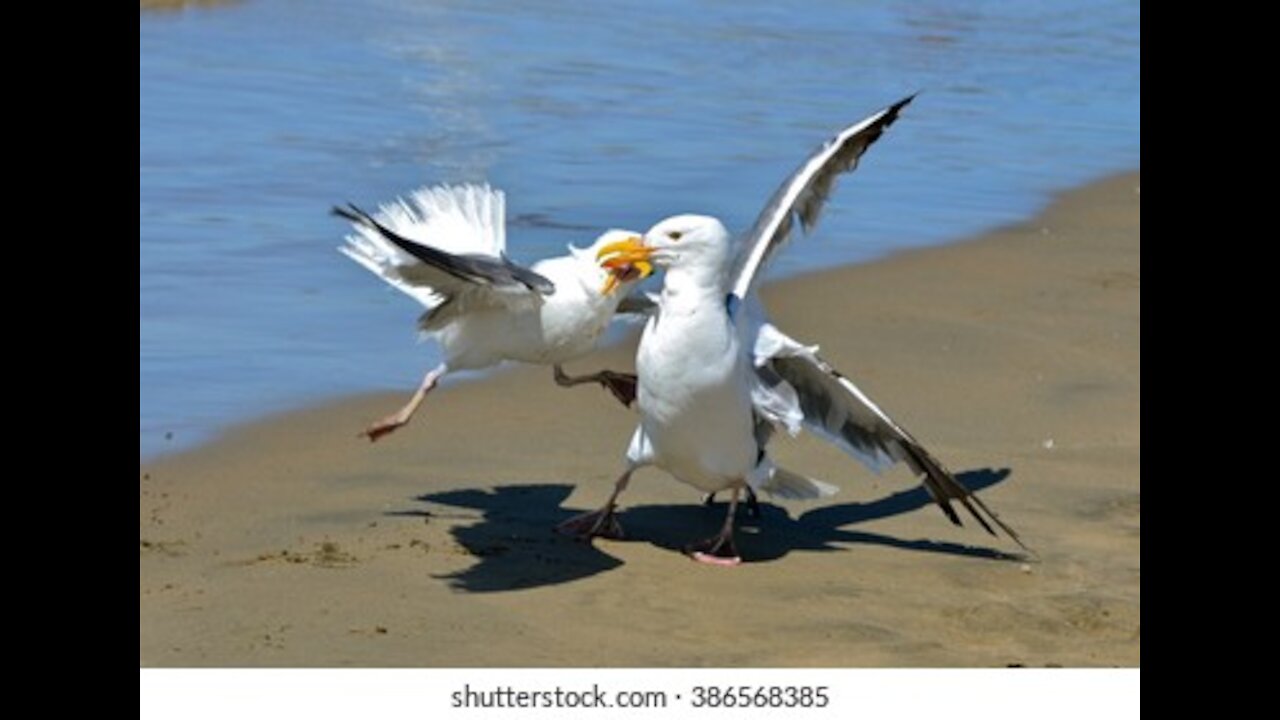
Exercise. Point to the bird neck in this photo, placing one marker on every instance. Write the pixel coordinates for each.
(690, 286)
(590, 280)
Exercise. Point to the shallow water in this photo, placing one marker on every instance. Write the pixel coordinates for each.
(254, 118)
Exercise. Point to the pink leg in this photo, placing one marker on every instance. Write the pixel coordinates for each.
(395, 420)
(598, 523)
(720, 549)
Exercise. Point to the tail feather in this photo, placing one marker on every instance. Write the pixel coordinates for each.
(792, 486)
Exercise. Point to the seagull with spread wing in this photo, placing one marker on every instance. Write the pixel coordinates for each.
(446, 248)
(716, 378)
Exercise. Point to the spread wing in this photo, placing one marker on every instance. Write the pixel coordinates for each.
(798, 385)
(805, 192)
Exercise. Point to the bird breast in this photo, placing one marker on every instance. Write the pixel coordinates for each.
(694, 401)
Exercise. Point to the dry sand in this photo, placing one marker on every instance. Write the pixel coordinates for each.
(291, 542)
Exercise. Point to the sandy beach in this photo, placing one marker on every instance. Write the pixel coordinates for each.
(1015, 357)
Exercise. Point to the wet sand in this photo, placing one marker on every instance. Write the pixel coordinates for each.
(1015, 357)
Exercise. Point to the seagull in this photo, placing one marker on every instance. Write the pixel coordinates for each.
(445, 246)
(716, 378)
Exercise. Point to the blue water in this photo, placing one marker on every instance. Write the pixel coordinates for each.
(255, 117)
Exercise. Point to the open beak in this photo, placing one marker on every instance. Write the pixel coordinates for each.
(625, 260)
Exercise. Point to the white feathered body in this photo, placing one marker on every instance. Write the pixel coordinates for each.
(544, 330)
(705, 413)
(695, 405)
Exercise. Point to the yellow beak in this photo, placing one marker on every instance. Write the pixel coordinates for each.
(622, 258)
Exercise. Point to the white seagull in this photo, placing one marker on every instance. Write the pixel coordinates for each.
(715, 378)
(446, 247)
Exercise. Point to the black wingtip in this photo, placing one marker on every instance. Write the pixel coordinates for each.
(354, 214)
(943, 487)
(949, 511)
(891, 112)
(360, 217)
(976, 515)
(530, 279)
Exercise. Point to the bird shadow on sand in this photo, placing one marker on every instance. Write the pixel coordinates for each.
(517, 548)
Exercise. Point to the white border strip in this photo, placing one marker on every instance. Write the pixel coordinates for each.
(1043, 694)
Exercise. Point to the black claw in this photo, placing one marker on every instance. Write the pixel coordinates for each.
(622, 385)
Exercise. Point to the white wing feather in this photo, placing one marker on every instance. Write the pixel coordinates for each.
(805, 193)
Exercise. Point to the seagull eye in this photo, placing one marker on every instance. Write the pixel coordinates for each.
(674, 234)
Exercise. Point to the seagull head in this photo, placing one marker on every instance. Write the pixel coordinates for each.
(620, 274)
(685, 241)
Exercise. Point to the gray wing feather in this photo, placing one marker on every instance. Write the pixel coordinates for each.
(805, 193)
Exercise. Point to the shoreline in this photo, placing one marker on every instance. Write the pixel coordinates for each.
(288, 541)
(209, 436)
